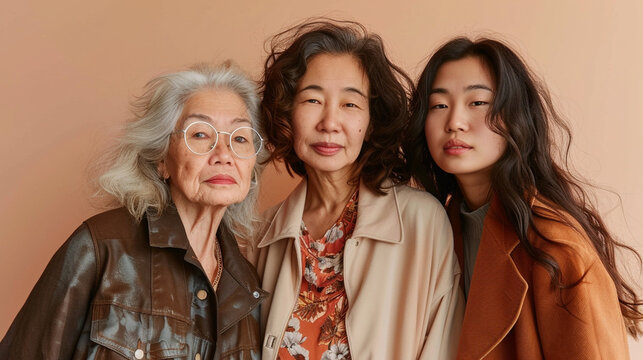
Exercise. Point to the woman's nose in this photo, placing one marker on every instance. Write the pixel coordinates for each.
(457, 120)
(222, 153)
(330, 121)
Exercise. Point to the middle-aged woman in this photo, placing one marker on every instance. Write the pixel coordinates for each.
(540, 275)
(359, 266)
(162, 276)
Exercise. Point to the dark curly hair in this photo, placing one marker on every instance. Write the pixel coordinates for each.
(380, 157)
(523, 113)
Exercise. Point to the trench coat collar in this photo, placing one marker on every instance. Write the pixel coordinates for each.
(378, 216)
(497, 291)
(238, 291)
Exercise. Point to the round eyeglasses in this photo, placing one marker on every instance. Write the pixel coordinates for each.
(201, 138)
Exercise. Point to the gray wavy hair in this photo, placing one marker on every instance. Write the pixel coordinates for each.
(133, 179)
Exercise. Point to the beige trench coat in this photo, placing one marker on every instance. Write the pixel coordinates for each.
(400, 273)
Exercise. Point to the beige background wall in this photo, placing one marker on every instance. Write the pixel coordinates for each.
(68, 69)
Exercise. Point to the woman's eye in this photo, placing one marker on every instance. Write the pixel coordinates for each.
(351, 105)
(439, 106)
(200, 135)
(240, 139)
(479, 103)
(312, 101)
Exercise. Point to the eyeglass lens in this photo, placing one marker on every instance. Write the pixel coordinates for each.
(201, 138)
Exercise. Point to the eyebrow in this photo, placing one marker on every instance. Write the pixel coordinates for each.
(467, 88)
(348, 89)
(209, 119)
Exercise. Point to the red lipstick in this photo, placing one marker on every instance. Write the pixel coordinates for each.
(222, 180)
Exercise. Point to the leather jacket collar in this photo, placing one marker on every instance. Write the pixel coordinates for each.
(238, 291)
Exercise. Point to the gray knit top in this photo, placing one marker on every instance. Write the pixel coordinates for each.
(471, 228)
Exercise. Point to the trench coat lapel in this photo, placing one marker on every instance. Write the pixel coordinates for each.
(497, 291)
(286, 222)
(379, 217)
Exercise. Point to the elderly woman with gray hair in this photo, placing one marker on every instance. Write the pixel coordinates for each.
(162, 276)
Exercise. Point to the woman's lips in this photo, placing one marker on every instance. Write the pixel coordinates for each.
(222, 180)
(456, 147)
(326, 148)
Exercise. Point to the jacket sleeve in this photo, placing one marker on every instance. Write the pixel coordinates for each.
(446, 310)
(583, 321)
(52, 320)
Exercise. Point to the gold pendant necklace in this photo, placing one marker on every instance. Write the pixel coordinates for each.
(217, 277)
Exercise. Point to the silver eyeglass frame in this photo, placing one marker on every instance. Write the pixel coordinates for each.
(216, 141)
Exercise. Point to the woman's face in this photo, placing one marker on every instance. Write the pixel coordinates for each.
(330, 113)
(457, 134)
(218, 178)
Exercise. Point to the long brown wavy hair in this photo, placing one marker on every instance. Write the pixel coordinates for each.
(380, 157)
(522, 112)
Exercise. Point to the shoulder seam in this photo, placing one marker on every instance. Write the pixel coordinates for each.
(96, 252)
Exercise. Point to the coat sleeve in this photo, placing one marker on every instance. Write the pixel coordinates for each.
(52, 320)
(446, 308)
(583, 321)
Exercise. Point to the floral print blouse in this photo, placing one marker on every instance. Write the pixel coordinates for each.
(317, 328)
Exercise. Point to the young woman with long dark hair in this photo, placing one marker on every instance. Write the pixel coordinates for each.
(539, 269)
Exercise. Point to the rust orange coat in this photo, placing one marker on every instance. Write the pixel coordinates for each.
(512, 311)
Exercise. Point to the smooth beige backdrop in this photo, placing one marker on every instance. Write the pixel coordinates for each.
(69, 68)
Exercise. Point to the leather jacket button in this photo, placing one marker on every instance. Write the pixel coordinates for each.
(256, 294)
(139, 354)
(202, 294)
(197, 356)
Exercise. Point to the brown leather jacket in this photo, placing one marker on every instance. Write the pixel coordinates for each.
(121, 289)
